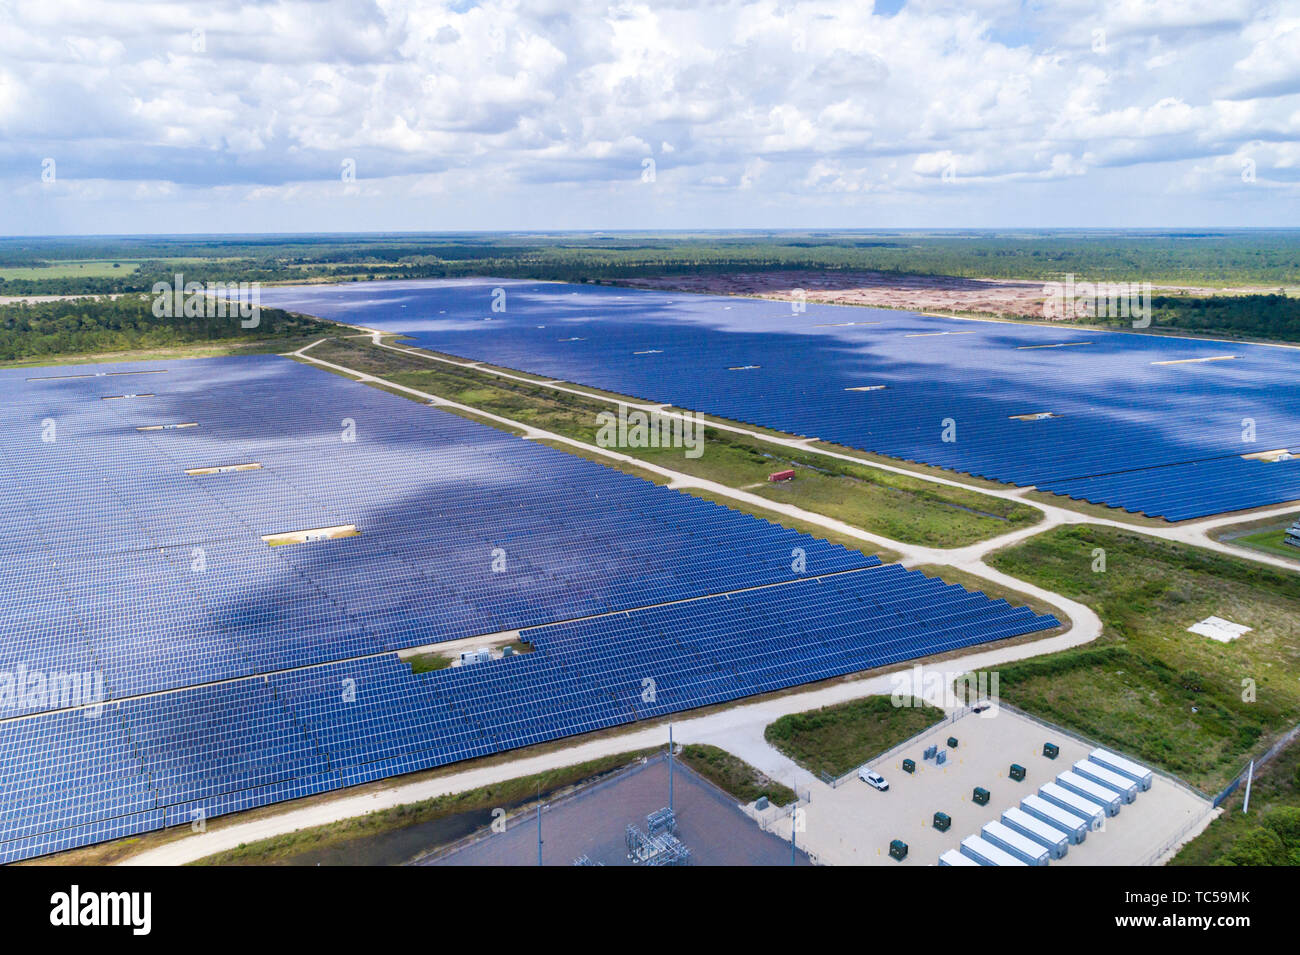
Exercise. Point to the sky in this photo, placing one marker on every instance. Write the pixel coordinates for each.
(120, 116)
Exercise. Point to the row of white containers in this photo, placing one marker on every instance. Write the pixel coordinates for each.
(1060, 815)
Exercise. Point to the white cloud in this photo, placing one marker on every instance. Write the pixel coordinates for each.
(554, 104)
(754, 170)
(1272, 65)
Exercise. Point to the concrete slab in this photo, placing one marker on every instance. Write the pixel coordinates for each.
(593, 822)
(853, 823)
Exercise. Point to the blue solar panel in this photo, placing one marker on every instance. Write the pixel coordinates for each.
(1133, 414)
(160, 578)
(120, 568)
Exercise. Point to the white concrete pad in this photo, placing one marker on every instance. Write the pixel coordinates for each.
(853, 823)
(1216, 628)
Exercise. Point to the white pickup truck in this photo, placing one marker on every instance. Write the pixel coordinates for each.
(872, 778)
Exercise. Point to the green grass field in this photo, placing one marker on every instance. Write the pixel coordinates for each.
(1271, 542)
(733, 775)
(1184, 702)
(836, 739)
(87, 269)
(427, 662)
(203, 350)
(1264, 534)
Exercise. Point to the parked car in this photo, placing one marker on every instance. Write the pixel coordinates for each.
(873, 779)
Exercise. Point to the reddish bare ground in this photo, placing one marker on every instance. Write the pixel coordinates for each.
(886, 289)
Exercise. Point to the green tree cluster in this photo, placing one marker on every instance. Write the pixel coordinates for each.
(94, 325)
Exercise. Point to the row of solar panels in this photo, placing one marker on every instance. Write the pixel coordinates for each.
(116, 561)
(171, 758)
(218, 748)
(1181, 492)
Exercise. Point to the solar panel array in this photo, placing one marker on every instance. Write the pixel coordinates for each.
(1148, 423)
(115, 559)
(178, 758)
(217, 673)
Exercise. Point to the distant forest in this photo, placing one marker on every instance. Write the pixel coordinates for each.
(96, 325)
(1261, 258)
(1271, 317)
(1268, 261)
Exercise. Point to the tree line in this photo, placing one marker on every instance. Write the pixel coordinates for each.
(1271, 317)
(1241, 257)
(93, 325)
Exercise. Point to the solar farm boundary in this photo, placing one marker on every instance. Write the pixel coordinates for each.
(402, 653)
(1192, 532)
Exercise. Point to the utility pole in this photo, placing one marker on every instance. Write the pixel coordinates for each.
(1245, 806)
(539, 824)
(670, 766)
(794, 816)
(794, 825)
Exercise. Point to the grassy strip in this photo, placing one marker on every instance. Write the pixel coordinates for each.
(892, 505)
(1270, 542)
(510, 791)
(1191, 705)
(428, 662)
(896, 506)
(836, 739)
(1263, 534)
(813, 530)
(733, 775)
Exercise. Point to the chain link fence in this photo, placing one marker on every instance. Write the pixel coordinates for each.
(836, 781)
